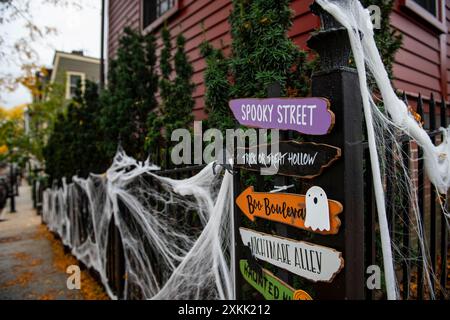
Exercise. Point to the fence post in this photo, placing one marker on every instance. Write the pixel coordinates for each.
(444, 231)
(344, 181)
(238, 282)
(115, 259)
(274, 91)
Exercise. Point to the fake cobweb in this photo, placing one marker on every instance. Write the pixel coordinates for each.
(389, 161)
(174, 232)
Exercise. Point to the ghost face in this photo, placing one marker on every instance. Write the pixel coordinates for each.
(317, 211)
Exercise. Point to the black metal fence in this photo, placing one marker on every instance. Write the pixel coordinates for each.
(410, 270)
(115, 251)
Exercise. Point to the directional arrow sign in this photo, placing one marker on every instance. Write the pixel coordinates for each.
(296, 159)
(313, 262)
(271, 287)
(285, 208)
(305, 115)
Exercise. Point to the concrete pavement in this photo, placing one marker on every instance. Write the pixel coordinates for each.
(32, 262)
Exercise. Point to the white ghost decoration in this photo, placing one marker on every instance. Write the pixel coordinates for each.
(317, 211)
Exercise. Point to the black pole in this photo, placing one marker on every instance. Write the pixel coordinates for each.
(102, 48)
(274, 91)
(11, 189)
(344, 181)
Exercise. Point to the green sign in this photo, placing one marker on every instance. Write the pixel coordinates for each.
(270, 286)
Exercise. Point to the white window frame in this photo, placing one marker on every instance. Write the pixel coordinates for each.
(74, 73)
(159, 20)
(438, 9)
(437, 21)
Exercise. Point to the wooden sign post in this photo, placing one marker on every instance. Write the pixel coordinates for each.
(335, 230)
(344, 181)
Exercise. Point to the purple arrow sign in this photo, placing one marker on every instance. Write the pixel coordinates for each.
(305, 115)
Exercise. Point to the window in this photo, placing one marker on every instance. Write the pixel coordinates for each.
(154, 9)
(429, 5)
(429, 12)
(73, 78)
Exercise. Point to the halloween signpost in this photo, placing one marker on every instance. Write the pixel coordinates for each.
(311, 211)
(304, 236)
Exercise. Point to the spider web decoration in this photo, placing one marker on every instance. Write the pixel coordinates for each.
(384, 130)
(175, 233)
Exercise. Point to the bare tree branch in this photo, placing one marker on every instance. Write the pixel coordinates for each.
(19, 51)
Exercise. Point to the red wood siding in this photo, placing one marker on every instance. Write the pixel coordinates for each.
(199, 20)
(418, 67)
(121, 14)
(447, 44)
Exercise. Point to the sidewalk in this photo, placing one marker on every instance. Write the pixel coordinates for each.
(32, 262)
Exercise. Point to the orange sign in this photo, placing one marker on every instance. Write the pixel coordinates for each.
(293, 209)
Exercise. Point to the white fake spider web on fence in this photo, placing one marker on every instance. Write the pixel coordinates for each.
(384, 131)
(175, 233)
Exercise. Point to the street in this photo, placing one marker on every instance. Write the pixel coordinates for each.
(33, 262)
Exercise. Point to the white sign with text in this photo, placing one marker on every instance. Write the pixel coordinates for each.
(313, 262)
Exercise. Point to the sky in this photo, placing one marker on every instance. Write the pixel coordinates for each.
(77, 29)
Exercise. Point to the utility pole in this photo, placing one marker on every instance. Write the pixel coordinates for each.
(102, 48)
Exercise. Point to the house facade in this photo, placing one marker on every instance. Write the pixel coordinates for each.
(422, 65)
(70, 68)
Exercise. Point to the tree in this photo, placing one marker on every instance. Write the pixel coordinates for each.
(18, 49)
(176, 95)
(262, 54)
(14, 146)
(90, 153)
(179, 113)
(217, 88)
(43, 114)
(75, 144)
(55, 151)
(262, 51)
(60, 150)
(130, 95)
(156, 121)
